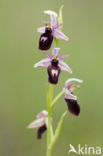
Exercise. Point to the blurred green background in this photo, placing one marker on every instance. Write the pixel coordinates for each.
(22, 88)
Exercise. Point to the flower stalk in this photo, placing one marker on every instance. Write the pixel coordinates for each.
(51, 138)
(49, 135)
(60, 95)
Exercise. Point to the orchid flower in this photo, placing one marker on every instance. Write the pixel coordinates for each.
(50, 31)
(40, 123)
(54, 65)
(71, 99)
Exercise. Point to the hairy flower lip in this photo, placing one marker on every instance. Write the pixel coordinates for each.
(73, 106)
(53, 72)
(46, 39)
(40, 131)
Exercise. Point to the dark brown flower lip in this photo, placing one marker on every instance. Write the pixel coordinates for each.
(53, 73)
(46, 40)
(54, 62)
(40, 131)
(73, 106)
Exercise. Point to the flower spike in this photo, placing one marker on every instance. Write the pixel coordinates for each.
(54, 65)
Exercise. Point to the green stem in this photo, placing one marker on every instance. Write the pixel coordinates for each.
(49, 100)
(57, 98)
(51, 104)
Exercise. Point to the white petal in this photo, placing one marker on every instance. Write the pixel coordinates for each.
(55, 51)
(41, 30)
(58, 34)
(37, 123)
(43, 63)
(42, 114)
(64, 66)
(53, 17)
(73, 79)
(50, 12)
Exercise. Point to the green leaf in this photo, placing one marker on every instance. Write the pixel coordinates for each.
(58, 129)
(60, 17)
(56, 42)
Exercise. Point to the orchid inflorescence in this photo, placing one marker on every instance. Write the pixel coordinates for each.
(54, 64)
